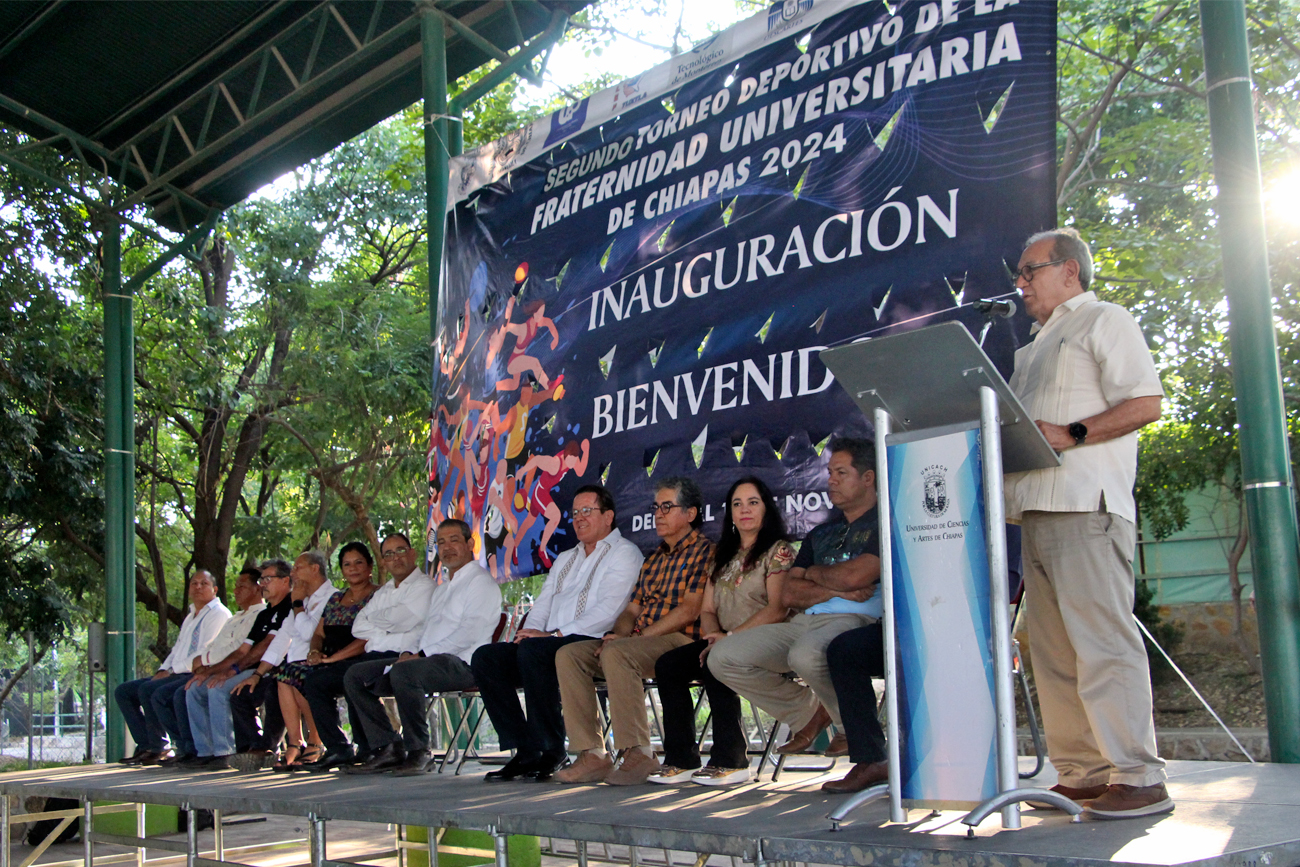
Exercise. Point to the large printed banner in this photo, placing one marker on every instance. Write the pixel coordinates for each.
(638, 286)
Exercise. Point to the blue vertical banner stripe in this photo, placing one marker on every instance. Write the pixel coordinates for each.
(941, 608)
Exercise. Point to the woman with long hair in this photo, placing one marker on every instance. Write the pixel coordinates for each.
(750, 563)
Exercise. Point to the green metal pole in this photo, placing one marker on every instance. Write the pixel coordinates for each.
(114, 515)
(434, 68)
(1265, 458)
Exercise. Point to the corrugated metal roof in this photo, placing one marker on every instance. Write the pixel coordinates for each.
(194, 105)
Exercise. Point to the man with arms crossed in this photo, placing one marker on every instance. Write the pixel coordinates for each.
(660, 616)
(585, 591)
(1089, 382)
(463, 613)
(834, 583)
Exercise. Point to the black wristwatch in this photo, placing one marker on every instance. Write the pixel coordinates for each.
(1079, 431)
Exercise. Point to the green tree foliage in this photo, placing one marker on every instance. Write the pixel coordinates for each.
(1136, 178)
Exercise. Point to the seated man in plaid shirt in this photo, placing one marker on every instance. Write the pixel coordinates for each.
(661, 615)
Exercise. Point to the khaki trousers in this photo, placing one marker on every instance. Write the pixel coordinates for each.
(624, 663)
(754, 664)
(1089, 662)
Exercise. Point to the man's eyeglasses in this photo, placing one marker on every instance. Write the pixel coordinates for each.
(394, 553)
(664, 508)
(266, 578)
(1026, 272)
(586, 511)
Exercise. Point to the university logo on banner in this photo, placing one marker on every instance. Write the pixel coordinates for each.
(566, 121)
(639, 285)
(784, 14)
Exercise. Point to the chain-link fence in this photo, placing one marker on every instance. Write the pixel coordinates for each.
(54, 712)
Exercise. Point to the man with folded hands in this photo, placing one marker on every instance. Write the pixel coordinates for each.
(661, 616)
(463, 613)
(586, 589)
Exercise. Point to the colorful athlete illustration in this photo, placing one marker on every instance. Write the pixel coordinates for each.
(519, 361)
(550, 470)
(490, 460)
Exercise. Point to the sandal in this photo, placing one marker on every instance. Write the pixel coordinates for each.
(291, 760)
(310, 753)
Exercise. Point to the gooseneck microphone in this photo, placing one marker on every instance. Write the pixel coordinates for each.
(1004, 307)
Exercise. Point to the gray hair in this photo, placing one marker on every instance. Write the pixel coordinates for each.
(1067, 243)
(320, 561)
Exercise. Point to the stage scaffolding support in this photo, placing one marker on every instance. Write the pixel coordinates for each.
(1267, 484)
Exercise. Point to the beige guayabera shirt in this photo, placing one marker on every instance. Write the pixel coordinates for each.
(1087, 358)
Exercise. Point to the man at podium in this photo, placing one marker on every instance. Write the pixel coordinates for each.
(1088, 381)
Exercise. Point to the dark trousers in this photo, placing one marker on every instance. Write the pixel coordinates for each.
(250, 734)
(854, 657)
(322, 688)
(501, 669)
(135, 699)
(410, 683)
(169, 707)
(675, 671)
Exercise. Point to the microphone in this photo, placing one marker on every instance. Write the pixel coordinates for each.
(1004, 307)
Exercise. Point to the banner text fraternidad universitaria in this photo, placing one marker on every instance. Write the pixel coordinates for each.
(639, 285)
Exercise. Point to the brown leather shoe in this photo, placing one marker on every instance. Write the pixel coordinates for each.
(1129, 802)
(1082, 795)
(634, 770)
(589, 768)
(839, 747)
(863, 776)
(802, 739)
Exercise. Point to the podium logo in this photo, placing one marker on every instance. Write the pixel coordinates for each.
(935, 498)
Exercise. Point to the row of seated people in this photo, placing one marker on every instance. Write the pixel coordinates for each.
(740, 617)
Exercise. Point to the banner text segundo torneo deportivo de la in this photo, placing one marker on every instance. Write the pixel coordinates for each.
(638, 286)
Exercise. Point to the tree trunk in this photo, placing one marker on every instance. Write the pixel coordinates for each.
(18, 675)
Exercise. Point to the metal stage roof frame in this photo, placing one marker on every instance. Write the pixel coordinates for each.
(187, 108)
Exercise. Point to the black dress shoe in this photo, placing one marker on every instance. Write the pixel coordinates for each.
(328, 762)
(545, 767)
(388, 757)
(519, 768)
(175, 760)
(190, 763)
(152, 759)
(138, 756)
(417, 763)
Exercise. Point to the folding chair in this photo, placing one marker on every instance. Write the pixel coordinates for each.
(468, 699)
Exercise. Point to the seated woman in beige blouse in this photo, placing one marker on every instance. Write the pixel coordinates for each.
(751, 561)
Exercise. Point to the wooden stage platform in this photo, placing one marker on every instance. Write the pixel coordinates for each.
(1229, 814)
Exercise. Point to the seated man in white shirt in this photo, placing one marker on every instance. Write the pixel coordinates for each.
(148, 704)
(463, 613)
(208, 696)
(586, 590)
(389, 623)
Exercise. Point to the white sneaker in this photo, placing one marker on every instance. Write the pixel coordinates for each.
(670, 776)
(722, 776)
